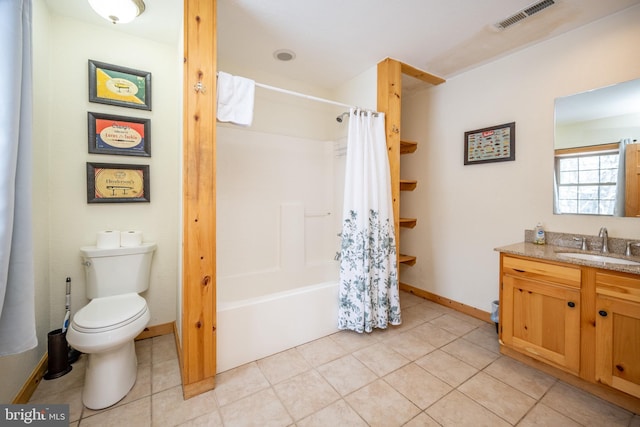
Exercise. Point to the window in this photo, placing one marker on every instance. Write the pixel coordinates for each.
(586, 182)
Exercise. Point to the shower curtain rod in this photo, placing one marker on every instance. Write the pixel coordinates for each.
(302, 95)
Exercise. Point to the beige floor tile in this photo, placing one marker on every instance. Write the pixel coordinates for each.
(262, 409)
(453, 324)
(352, 341)
(408, 299)
(501, 399)
(449, 369)
(422, 420)
(73, 379)
(484, 338)
(165, 374)
(282, 366)
(411, 317)
(541, 416)
(72, 397)
(635, 421)
(163, 348)
(338, 414)
(305, 394)
(321, 351)
(434, 335)
(239, 382)
(136, 413)
(417, 385)
(143, 351)
(585, 408)
(457, 410)
(410, 344)
(424, 312)
(381, 359)
(520, 376)
(468, 319)
(168, 408)
(347, 374)
(380, 405)
(212, 419)
(470, 353)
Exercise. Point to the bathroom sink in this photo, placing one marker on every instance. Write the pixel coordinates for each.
(597, 258)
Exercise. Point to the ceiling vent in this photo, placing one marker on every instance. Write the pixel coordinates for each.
(523, 14)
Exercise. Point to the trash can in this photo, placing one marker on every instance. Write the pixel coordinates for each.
(495, 314)
(58, 355)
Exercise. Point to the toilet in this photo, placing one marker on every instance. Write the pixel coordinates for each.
(106, 327)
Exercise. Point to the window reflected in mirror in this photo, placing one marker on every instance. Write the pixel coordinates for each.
(597, 161)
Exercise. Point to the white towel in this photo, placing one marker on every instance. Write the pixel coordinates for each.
(235, 99)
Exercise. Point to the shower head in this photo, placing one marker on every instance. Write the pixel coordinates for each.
(340, 117)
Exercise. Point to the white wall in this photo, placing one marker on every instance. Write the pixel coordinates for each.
(74, 222)
(464, 212)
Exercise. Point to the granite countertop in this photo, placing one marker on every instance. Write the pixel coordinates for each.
(550, 253)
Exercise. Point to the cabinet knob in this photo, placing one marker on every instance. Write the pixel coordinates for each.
(571, 304)
(603, 313)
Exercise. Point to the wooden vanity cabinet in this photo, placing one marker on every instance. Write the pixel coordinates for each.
(617, 355)
(540, 311)
(582, 323)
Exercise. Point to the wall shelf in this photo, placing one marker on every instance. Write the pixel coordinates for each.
(408, 222)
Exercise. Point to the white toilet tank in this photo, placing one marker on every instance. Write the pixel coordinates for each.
(117, 271)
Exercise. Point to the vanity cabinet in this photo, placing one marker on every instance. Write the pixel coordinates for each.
(583, 321)
(617, 358)
(541, 311)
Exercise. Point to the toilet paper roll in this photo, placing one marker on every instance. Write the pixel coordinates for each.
(108, 239)
(130, 238)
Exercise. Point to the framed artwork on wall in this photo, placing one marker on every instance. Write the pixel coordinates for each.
(117, 183)
(126, 136)
(121, 86)
(492, 144)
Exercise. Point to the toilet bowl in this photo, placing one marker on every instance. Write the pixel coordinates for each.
(105, 328)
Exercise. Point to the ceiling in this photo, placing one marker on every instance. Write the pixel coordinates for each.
(336, 40)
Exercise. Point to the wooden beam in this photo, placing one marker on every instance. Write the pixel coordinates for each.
(390, 102)
(198, 339)
(421, 75)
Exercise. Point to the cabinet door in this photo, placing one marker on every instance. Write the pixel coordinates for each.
(542, 320)
(618, 343)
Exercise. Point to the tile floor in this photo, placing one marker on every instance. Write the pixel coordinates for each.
(439, 368)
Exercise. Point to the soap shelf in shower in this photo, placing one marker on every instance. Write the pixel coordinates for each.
(408, 222)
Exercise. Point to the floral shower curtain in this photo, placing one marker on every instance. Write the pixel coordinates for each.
(369, 295)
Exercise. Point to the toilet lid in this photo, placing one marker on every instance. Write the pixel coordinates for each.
(111, 311)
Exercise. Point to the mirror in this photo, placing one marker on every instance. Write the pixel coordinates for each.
(594, 174)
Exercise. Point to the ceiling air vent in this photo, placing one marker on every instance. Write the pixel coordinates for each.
(523, 14)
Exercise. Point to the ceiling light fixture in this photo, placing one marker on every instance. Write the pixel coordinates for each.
(118, 11)
(284, 55)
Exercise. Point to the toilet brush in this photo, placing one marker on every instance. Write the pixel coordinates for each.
(73, 353)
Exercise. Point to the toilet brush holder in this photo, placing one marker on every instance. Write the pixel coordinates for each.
(58, 355)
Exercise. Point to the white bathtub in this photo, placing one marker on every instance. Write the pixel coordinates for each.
(263, 314)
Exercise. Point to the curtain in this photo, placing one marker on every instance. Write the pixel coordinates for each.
(618, 210)
(17, 310)
(369, 296)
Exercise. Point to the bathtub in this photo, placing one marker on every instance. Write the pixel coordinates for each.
(263, 314)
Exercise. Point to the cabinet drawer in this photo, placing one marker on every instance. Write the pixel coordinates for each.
(560, 274)
(626, 287)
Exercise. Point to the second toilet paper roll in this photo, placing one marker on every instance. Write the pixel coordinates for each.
(108, 239)
(130, 238)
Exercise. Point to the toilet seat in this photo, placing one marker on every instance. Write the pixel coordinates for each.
(109, 313)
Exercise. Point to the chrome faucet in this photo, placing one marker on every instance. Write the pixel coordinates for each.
(605, 240)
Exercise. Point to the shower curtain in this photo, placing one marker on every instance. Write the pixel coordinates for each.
(17, 310)
(369, 295)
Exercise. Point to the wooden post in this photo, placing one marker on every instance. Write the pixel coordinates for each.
(390, 102)
(198, 340)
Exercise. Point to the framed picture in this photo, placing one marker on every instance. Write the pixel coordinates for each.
(116, 183)
(115, 85)
(126, 136)
(492, 144)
